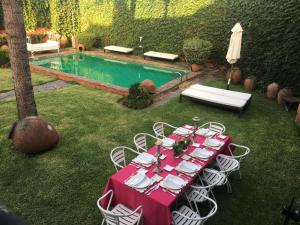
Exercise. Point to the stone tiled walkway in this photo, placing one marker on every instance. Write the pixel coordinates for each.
(40, 88)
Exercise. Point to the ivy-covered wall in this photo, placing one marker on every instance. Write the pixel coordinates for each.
(270, 48)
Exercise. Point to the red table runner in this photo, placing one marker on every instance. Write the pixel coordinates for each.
(157, 206)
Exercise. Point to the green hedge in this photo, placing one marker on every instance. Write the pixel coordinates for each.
(270, 48)
(1, 17)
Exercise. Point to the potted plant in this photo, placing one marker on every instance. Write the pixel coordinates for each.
(236, 75)
(196, 52)
(285, 92)
(138, 97)
(250, 83)
(180, 146)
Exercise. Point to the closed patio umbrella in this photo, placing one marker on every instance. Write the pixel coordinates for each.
(234, 49)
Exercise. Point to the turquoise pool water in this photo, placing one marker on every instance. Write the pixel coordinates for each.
(117, 72)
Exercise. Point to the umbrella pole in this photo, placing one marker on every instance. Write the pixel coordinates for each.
(228, 83)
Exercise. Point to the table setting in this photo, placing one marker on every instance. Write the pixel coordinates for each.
(156, 178)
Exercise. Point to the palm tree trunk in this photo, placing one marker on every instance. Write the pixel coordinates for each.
(14, 27)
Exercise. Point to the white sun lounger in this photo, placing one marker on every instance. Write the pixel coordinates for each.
(216, 96)
(114, 48)
(228, 93)
(160, 55)
(48, 46)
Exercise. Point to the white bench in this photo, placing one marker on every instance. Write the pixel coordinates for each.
(216, 96)
(160, 55)
(48, 46)
(114, 48)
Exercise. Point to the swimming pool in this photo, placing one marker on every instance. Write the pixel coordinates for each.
(110, 71)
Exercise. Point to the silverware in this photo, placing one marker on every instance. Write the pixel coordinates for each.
(150, 187)
(166, 190)
(155, 187)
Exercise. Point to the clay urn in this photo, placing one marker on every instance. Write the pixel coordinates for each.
(285, 92)
(196, 67)
(236, 75)
(297, 120)
(80, 47)
(34, 135)
(250, 83)
(149, 85)
(272, 90)
(63, 41)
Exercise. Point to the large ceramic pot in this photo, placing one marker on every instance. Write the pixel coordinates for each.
(196, 67)
(297, 120)
(250, 83)
(285, 92)
(272, 90)
(149, 85)
(63, 41)
(33, 135)
(236, 75)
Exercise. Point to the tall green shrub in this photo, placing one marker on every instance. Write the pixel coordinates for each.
(196, 50)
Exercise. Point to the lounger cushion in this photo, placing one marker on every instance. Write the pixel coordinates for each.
(223, 92)
(161, 55)
(214, 98)
(49, 45)
(118, 49)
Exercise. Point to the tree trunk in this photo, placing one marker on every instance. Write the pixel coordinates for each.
(14, 27)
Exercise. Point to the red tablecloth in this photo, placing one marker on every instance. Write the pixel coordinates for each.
(157, 206)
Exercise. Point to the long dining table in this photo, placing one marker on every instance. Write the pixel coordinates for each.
(157, 205)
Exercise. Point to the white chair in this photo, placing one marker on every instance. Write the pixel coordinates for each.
(120, 214)
(118, 156)
(186, 216)
(240, 157)
(197, 191)
(141, 141)
(214, 126)
(160, 127)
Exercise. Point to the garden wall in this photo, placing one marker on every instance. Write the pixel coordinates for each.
(270, 48)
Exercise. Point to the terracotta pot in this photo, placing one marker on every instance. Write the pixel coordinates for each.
(80, 47)
(33, 135)
(297, 120)
(272, 90)
(209, 65)
(236, 75)
(149, 85)
(222, 69)
(196, 67)
(250, 84)
(74, 42)
(63, 41)
(285, 92)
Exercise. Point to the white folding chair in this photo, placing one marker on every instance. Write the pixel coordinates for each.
(214, 126)
(119, 214)
(160, 127)
(197, 191)
(186, 216)
(241, 156)
(141, 141)
(118, 156)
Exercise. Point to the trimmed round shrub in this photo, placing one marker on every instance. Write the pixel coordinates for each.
(138, 97)
(4, 57)
(196, 51)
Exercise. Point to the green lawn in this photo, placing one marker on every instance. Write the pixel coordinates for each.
(6, 83)
(61, 187)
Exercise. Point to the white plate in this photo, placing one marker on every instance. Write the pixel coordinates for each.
(202, 131)
(168, 142)
(139, 181)
(173, 182)
(188, 167)
(212, 142)
(202, 153)
(182, 131)
(145, 158)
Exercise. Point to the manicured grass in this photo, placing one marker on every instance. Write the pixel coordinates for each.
(62, 186)
(6, 83)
